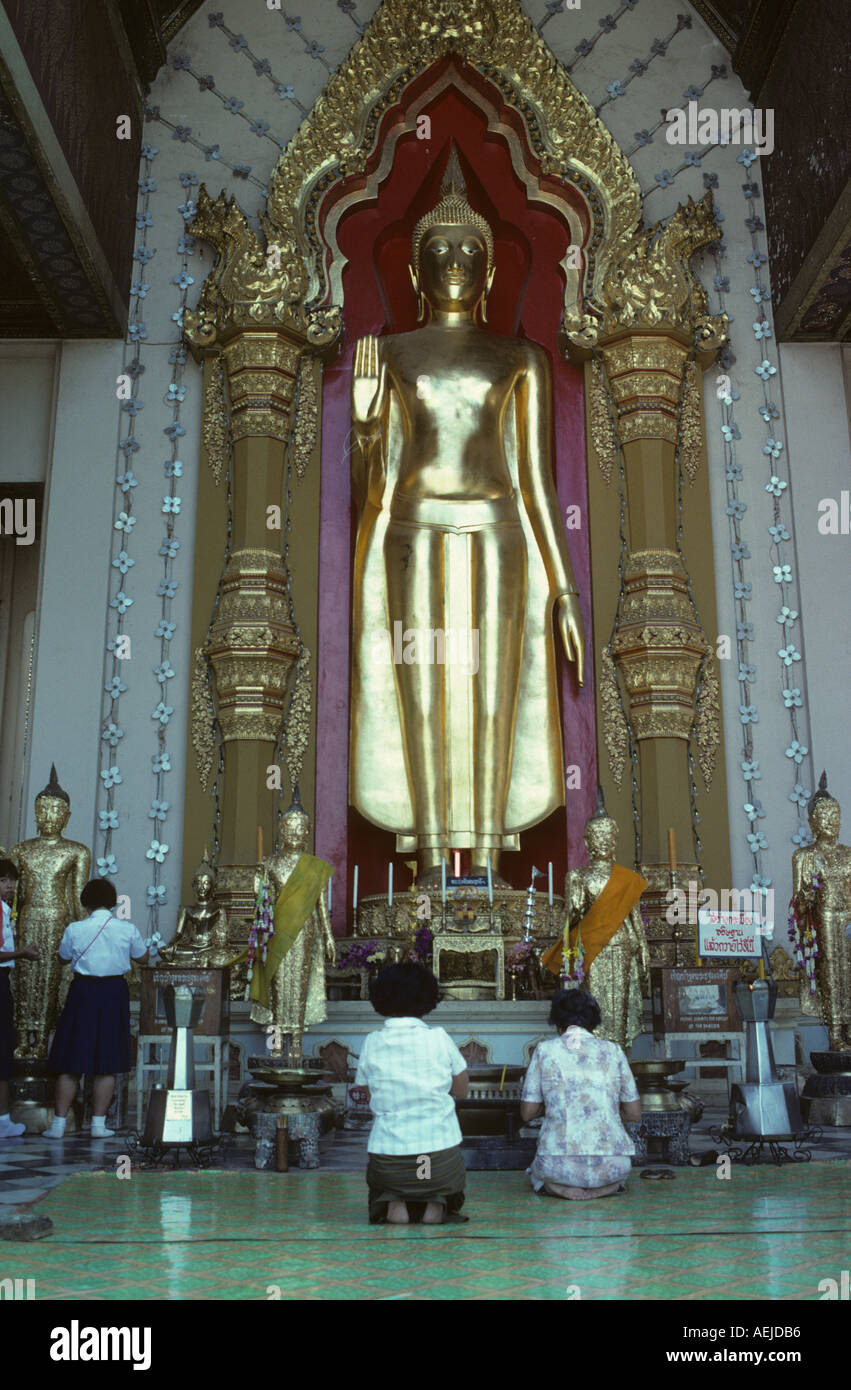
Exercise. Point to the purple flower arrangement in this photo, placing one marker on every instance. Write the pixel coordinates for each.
(262, 928)
(519, 955)
(358, 956)
(422, 951)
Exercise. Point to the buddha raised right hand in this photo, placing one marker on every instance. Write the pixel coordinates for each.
(368, 382)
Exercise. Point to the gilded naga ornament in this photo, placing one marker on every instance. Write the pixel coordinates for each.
(287, 989)
(461, 560)
(201, 938)
(605, 941)
(821, 910)
(52, 874)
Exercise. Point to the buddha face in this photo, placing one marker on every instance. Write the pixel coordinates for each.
(824, 821)
(203, 885)
(453, 268)
(51, 814)
(294, 830)
(601, 838)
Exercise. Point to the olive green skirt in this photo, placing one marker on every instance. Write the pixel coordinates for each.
(416, 1179)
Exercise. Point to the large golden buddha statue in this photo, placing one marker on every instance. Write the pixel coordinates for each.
(52, 874)
(461, 558)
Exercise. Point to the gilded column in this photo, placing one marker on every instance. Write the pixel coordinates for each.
(252, 645)
(250, 314)
(653, 335)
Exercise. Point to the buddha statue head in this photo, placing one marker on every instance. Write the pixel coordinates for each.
(295, 825)
(824, 813)
(204, 880)
(452, 265)
(52, 807)
(601, 832)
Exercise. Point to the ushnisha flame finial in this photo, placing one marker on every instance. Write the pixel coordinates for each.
(53, 788)
(453, 210)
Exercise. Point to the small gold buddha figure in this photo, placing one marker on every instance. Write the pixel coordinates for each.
(52, 874)
(821, 895)
(606, 941)
(287, 990)
(462, 575)
(201, 938)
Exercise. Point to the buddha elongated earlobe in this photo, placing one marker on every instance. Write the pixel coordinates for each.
(418, 292)
(483, 302)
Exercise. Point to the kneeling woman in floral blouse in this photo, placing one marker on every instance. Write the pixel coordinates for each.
(584, 1088)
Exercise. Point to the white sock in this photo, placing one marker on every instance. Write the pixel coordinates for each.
(6, 1119)
(57, 1127)
(99, 1125)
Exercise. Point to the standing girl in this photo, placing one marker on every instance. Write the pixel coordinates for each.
(93, 1033)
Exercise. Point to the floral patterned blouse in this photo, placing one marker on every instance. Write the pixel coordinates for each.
(581, 1080)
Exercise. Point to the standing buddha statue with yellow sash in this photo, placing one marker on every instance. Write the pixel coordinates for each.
(604, 935)
(287, 989)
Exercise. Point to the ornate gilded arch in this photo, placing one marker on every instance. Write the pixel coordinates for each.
(338, 136)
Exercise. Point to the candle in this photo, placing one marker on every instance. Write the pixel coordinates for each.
(355, 891)
(390, 885)
(672, 851)
(443, 882)
(550, 877)
(490, 883)
(259, 844)
(457, 863)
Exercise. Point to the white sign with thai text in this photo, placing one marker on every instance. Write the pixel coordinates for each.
(732, 933)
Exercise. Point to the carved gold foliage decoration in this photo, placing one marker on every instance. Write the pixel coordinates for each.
(652, 284)
(203, 733)
(214, 424)
(402, 40)
(602, 431)
(306, 418)
(247, 287)
(707, 727)
(615, 728)
(691, 425)
(298, 719)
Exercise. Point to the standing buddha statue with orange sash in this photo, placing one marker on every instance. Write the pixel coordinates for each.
(604, 935)
(287, 989)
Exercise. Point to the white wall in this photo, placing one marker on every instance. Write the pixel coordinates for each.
(817, 421)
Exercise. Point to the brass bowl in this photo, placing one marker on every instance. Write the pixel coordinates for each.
(283, 1076)
(657, 1066)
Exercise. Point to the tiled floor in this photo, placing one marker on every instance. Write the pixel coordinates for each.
(238, 1234)
(765, 1233)
(31, 1166)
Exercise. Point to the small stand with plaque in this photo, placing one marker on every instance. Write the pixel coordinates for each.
(178, 1114)
(211, 985)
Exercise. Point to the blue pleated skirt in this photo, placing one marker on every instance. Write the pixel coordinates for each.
(7, 1027)
(93, 1033)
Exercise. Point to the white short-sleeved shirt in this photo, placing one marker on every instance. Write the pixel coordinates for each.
(582, 1081)
(8, 936)
(113, 944)
(408, 1067)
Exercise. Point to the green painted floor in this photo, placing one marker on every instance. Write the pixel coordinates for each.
(765, 1233)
